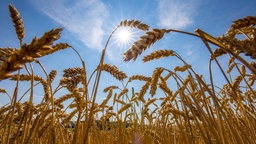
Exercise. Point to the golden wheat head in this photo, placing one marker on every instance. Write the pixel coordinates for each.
(17, 21)
(114, 71)
(158, 54)
(241, 23)
(134, 24)
(145, 42)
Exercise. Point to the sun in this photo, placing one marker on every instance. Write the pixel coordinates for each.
(123, 37)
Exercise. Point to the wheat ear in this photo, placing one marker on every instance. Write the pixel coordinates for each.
(114, 71)
(158, 54)
(240, 23)
(145, 42)
(134, 24)
(17, 21)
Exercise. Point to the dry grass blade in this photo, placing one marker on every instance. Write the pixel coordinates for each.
(114, 71)
(135, 24)
(158, 54)
(145, 42)
(17, 21)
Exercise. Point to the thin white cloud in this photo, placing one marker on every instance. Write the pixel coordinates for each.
(83, 18)
(176, 13)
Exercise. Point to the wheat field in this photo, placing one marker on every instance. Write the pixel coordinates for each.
(194, 111)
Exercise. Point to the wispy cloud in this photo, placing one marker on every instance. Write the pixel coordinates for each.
(176, 13)
(83, 18)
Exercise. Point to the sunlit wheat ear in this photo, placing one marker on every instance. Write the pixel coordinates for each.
(150, 102)
(70, 116)
(114, 71)
(125, 107)
(156, 74)
(54, 48)
(105, 101)
(230, 67)
(237, 82)
(63, 98)
(241, 23)
(124, 91)
(183, 68)
(218, 52)
(51, 76)
(135, 24)
(38, 46)
(110, 88)
(164, 87)
(143, 91)
(139, 77)
(27, 53)
(243, 70)
(5, 53)
(71, 72)
(2, 90)
(24, 77)
(110, 114)
(119, 101)
(17, 21)
(158, 54)
(145, 42)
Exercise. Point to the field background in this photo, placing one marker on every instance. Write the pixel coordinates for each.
(164, 96)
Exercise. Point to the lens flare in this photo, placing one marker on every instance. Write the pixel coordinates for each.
(123, 37)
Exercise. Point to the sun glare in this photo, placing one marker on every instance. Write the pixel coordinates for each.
(123, 37)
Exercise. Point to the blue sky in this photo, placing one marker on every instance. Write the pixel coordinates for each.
(88, 23)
